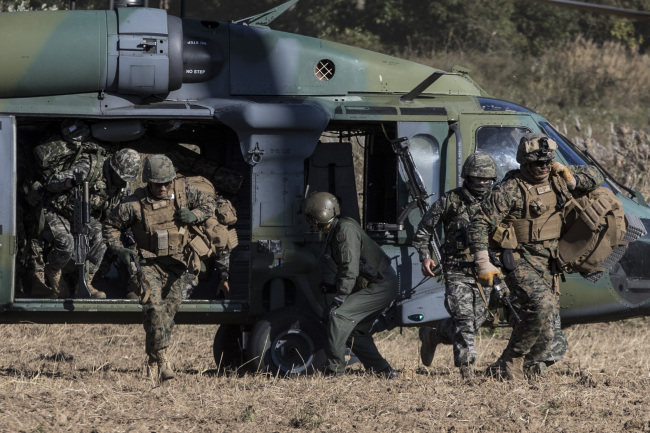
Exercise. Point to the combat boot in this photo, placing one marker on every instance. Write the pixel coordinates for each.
(164, 368)
(60, 288)
(430, 341)
(466, 371)
(536, 370)
(513, 367)
(39, 288)
(94, 293)
(152, 368)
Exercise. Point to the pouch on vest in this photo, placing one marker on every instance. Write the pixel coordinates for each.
(165, 242)
(217, 233)
(505, 237)
(199, 246)
(596, 228)
(225, 212)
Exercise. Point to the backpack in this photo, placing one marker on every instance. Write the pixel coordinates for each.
(597, 234)
(213, 236)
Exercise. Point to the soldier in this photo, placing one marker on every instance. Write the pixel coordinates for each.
(465, 300)
(107, 177)
(365, 282)
(160, 228)
(524, 215)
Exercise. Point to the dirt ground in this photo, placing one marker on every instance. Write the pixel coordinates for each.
(89, 378)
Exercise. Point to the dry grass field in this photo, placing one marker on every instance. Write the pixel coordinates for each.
(89, 378)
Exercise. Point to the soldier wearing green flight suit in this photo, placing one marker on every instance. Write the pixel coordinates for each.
(365, 285)
(524, 215)
(465, 300)
(108, 177)
(160, 216)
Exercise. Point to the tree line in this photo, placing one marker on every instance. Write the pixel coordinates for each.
(419, 27)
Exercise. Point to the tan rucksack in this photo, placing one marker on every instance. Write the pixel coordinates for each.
(213, 236)
(596, 235)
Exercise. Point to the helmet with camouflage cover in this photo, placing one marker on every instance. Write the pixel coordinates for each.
(73, 130)
(479, 165)
(158, 169)
(320, 208)
(535, 147)
(126, 163)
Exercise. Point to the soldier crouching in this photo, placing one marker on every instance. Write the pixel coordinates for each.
(160, 228)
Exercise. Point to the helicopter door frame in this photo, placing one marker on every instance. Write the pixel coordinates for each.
(7, 208)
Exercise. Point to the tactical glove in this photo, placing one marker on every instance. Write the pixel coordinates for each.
(125, 255)
(563, 170)
(485, 271)
(185, 215)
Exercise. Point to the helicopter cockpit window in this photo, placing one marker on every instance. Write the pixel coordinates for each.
(500, 142)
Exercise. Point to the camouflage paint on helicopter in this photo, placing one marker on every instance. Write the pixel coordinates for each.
(276, 94)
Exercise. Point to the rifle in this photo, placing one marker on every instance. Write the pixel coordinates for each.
(81, 230)
(128, 240)
(503, 298)
(417, 190)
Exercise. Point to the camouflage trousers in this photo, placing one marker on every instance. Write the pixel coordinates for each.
(163, 303)
(468, 312)
(538, 308)
(57, 234)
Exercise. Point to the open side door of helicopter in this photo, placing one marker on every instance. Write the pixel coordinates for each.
(8, 228)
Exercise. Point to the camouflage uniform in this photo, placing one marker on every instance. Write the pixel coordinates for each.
(463, 300)
(534, 280)
(106, 190)
(161, 273)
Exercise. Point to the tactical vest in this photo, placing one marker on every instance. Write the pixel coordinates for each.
(458, 211)
(541, 220)
(158, 232)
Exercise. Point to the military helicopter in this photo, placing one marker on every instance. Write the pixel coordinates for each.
(290, 114)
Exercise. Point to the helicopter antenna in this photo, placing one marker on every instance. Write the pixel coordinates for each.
(265, 18)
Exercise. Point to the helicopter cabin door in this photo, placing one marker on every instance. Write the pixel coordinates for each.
(7, 207)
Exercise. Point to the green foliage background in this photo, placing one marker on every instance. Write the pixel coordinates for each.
(587, 73)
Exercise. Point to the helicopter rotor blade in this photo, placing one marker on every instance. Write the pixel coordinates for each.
(590, 7)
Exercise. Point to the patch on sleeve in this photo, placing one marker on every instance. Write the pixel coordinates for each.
(340, 236)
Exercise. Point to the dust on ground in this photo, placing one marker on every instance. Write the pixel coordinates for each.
(90, 378)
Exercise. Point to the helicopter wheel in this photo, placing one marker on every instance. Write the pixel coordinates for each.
(287, 342)
(227, 349)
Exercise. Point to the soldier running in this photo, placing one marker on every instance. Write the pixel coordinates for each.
(465, 300)
(160, 227)
(524, 214)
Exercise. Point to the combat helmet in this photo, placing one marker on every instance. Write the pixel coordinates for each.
(126, 163)
(479, 165)
(158, 169)
(320, 208)
(535, 147)
(73, 130)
